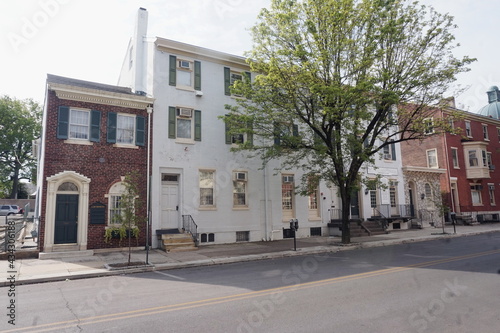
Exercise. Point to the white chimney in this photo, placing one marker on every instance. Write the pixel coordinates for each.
(139, 50)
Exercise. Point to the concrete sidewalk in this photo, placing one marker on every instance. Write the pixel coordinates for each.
(62, 266)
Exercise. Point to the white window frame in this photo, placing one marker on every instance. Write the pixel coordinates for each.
(71, 124)
(473, 158)
(114, 195)
(476, 196)
(468, 129)
(486, 136)
(498, 133)
(432, 161)
(207, 186)
(287, 203)
(240, 178)
(489, 161)
(454, 158)
(122, 132)
(491, 192)
(387, 153)
(428, 126)
(179, 117)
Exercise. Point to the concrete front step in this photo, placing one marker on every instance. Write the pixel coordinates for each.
(177, 238)
(181, 248)
(177, 242)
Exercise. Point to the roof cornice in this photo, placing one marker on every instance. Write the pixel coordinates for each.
(199, 52)
(423, 169)
(74, 93)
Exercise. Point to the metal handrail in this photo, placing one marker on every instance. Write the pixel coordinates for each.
(190, 226)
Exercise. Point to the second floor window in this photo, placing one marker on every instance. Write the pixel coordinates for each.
(184, 124)
(432, 158)
(78, 124)
(485, 133)
(126, 129)
(454, 157)
(468, 130)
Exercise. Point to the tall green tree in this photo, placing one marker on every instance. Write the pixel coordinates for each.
(337, 81)
(20, 124)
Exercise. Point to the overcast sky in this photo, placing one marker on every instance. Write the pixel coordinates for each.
(87, 39)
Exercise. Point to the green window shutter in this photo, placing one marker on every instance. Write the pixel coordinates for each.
(228, 135)
(62, 122)
(249, 76)
(171, 122)
(172, 72)
(197, 125)
(295, 130)
(393, 152)
(227, 81)
(111, 135)
(140, 130)
(197, 75)
(95, 126)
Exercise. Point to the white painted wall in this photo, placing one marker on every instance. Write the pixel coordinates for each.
(170, 156)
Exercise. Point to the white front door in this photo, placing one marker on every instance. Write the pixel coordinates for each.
(170, 206)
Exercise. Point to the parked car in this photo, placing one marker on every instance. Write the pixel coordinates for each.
(9, 209)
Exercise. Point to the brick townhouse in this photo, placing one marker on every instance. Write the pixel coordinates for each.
(456, 173)
(93, 135)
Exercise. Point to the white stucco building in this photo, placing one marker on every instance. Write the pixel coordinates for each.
(229, 196)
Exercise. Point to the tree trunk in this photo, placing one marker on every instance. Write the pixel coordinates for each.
(346, 213)
(15, 182)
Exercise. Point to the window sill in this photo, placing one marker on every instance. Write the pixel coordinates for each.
(314, 219)
(185, 141)
(124, 145)
(207, 208)
(185, 88)
(79, 142)
(241, 208)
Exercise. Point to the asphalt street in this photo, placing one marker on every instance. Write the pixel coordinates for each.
(448, 285)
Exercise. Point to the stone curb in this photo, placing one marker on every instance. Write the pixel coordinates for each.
(243, 258)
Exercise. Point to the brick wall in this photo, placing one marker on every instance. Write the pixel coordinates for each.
(102, 162)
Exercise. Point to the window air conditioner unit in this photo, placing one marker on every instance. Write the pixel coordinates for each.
(492, 167)
(184, 64)
(287, 179)
(240, 176)
(387, 157)
(187, 113)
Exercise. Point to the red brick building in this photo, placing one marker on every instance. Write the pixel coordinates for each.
(455, 172)
(93, 136)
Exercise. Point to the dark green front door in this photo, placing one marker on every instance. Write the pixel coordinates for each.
(66, 218)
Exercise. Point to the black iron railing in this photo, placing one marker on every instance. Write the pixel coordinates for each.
(190, 226)
(398, 211)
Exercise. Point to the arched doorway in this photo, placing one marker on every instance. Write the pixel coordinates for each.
(66, 212)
